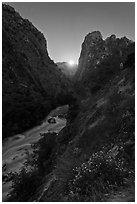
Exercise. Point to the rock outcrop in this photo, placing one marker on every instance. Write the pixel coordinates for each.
(95, 50)
(31, 80)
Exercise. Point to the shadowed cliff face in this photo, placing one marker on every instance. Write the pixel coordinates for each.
(30, 77)
(95, 51)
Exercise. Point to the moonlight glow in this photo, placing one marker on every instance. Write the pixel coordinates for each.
(71, 62)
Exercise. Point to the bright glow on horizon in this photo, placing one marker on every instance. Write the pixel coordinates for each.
(71, 62)
(65, 31)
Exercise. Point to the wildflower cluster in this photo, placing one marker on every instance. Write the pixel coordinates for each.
(100, 174)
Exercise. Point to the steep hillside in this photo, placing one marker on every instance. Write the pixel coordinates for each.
(31, 80)
(96, 150)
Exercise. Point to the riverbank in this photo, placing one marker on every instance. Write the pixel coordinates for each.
(17, 148)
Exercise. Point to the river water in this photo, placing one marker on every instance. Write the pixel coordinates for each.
(15, 149)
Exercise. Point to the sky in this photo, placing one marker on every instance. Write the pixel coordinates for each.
(65, 24)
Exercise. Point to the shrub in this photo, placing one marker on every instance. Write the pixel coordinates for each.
(42, 152)
(73, 112)
(27, 181)
(24, 185)
(96, 177)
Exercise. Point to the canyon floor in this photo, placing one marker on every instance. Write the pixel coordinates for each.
(16, 148)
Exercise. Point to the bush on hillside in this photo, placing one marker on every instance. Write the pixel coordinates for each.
(24, 184)
(43, 150)
(27, 181)
(96, 177)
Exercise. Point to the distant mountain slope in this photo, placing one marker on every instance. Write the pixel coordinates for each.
(30, 79)
(66, 69)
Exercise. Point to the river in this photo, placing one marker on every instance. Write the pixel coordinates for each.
(15, 149)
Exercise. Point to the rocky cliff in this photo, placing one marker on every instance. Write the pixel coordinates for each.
(31, 80)
(97, 52)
